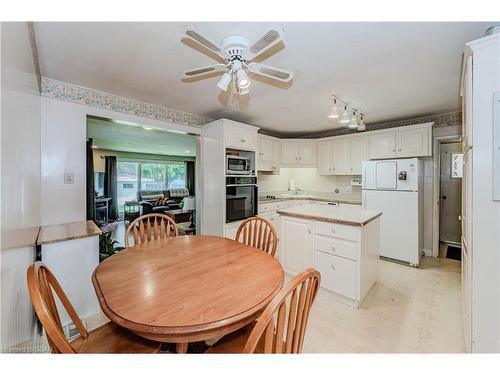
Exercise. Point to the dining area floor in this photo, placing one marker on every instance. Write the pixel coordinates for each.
(409, 310)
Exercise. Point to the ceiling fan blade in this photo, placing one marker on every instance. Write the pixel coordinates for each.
(270, 39)
(271, 72)
(205, 42)
(206, 69)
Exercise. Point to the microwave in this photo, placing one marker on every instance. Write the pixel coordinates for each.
(238, 165)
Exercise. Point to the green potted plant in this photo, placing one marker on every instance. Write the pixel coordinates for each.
(107, 246)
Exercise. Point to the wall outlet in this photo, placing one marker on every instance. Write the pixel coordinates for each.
(69, 178)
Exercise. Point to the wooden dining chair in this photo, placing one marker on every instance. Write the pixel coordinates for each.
(109, 338)
(258, 232)
(282, 326)
(151, 227)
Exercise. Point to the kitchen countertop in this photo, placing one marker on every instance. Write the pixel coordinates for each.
(68, 231)
(323, 197)
(332, 214)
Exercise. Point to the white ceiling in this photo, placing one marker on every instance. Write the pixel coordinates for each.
(389, 70)
(128, 137)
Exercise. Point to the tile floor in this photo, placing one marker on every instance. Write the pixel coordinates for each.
(409, 310)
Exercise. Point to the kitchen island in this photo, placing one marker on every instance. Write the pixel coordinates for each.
(342, 243)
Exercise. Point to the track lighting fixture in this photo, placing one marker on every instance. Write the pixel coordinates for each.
(350, 117)
(346, 117)
(334, 113)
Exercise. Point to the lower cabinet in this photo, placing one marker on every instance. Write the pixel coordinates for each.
(338, 274)
(296, 237)
(347, 256)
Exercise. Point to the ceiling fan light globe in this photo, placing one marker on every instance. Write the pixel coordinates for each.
(242, 79)
(224, 82)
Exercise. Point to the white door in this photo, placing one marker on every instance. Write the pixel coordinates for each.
(412, 142)
(290, 153)
(383, 146)
(308, 153)
(359, 153)
(295, 244)
(325, 158)
(342, 157)
(398, 223)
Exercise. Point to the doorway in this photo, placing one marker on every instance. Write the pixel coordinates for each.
(450, 201)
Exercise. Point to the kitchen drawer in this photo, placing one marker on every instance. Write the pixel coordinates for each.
(338, 274)
(336, 246)
(346, 232)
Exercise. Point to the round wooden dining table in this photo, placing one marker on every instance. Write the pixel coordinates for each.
(187, 288)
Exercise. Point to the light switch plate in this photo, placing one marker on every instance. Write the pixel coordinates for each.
(69, 178)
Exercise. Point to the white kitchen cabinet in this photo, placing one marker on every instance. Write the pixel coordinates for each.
(290, 153)
(308, 154)
(268, 153)
(299, 153)
(295, 241)
(413, 142)
(359, 153)
(342, 156)
(240, 137)
(383, 145)
(325, 158)
(404, 142)
(347, 256)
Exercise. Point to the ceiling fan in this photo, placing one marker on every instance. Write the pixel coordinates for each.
(238, 55)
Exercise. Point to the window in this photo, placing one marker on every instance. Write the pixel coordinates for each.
(153, 176)
(176, 175)
(147, 175)
(127, 182)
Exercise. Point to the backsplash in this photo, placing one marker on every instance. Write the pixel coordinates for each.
(306, 179)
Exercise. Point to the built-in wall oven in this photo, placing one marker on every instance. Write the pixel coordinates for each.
(241, 197)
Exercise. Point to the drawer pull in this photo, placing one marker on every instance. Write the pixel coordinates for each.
(332, 267)
(333, 230)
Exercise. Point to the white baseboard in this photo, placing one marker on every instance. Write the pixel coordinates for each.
(427, 252)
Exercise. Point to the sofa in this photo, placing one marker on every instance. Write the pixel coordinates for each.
(148, 198)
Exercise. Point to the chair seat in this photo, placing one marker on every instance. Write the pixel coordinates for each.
(111, 338)
(234, 343)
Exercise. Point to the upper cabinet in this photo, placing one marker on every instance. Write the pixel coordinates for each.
(268, 153)
(342, 156)
(404, 142)
(240, 136)
(359, 153)
(325, 158)
(299, 152)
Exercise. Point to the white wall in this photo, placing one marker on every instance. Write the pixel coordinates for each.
(64, 127)
(20, 194)
(306, 179)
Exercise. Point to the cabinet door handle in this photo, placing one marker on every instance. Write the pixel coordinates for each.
(333, 249)
(393, 150)
(332, 267)
(399, 150)
(333, 230)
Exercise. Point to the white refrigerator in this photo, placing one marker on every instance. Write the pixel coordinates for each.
(395, 188)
